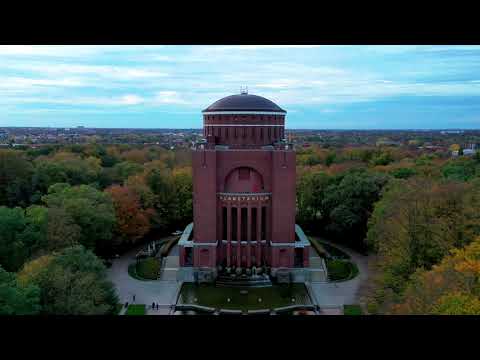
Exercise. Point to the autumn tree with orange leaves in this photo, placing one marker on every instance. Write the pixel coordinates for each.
(133, 222)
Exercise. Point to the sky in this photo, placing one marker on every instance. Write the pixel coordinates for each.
(321, 87)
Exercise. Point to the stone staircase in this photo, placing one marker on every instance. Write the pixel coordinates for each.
(241, 281)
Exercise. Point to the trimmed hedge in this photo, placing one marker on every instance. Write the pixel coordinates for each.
(340, 270)
(148, 268)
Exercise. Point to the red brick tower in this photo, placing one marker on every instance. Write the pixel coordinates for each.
(243, 193)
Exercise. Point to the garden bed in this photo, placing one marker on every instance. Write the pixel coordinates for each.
(145, 269)
(341, 270)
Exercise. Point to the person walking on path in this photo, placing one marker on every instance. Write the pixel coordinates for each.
(133, 297)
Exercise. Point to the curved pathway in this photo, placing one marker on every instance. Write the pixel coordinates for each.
(146, 292)
(345, 292)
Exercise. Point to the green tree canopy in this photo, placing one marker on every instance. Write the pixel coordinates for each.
(16, 299)
(91, 209)
(74, 283)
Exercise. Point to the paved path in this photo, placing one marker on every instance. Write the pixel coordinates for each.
(146, 292)
(345, 292)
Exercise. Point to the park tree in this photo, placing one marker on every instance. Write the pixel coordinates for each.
(383, 158)
(182, 200)
(461, 169)
(139, 156)
(348, 203)
(123, 170)
(34, 234)
(90, 209)
(133, 222)
(16, 299)
(74, 282)
(311, 188)
(403, 173)
(13, 252)
(65, 167)
(15, 178)
(414, 226)
(32, 270)
(62, 231)
(451, 288)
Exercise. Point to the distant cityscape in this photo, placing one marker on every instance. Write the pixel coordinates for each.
(426, 140)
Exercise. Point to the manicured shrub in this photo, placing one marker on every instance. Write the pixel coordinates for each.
(341, 269)
(148, 268)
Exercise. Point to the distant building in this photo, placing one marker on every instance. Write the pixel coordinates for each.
(466, 152)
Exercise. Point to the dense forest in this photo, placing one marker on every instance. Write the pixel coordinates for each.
(416, 215)
(66, 209)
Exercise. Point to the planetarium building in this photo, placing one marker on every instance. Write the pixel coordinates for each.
(244, 198)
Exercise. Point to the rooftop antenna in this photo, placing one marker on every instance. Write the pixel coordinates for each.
(244, 90)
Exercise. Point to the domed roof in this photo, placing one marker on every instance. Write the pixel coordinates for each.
(244, 102)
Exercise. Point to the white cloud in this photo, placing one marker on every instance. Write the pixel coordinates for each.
(113, 72)
(48, 50)
(22, 82)
(168, 97)
(131, 99)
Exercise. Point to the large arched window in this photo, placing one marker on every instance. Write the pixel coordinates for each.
(244, 180)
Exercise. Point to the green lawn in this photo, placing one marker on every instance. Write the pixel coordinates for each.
(136, 309)
(352, 310)
(270, 297)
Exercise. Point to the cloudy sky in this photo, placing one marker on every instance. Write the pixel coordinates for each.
(321, 87)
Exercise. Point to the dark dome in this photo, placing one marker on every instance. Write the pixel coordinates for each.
(244, 102)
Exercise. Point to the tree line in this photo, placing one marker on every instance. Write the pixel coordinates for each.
(416, 214)
(65, 209)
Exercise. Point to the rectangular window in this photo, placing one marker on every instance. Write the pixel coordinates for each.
(188, 256)
(254, 224)
(234, 224)
(264, 223)
(224, 223)
(244, 224)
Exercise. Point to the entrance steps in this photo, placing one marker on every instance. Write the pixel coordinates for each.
(229, 281)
